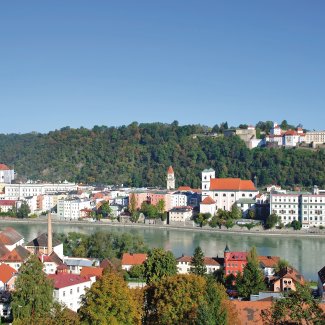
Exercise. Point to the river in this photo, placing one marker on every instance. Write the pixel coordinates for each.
(304, 253)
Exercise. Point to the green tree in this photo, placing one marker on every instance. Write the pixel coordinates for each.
(32, 299)
(271, 221)
(252, 279)
(282, 263)
(161, 206)
(105, 210)
(109, 301)
(197, 263)
(23, 211)
(296, 225)
(235, 212)
(137, 271)
(133, 204)
(251, 214)
(174, 300)
(298, 308)
(159, 264)
(210, 310)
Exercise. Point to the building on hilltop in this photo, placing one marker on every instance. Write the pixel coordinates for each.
(170, 178)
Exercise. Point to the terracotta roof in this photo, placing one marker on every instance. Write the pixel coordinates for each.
(208, 200)
(6, 273)
(9, 236)
(207, 260)
(237, 256)
(289, 272)
(62, 280)
(133, 259)
(91, 271)
(249, 312)
(19, 254)
(4, 167)
(7, 202)
(98, 195)
(268, 261)
(321, 275)
(41, 241)
(52, 258)
(170, 170)
(3, 250)
(231, 184)
(184, 188)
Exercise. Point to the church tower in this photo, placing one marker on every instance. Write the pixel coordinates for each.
(170, 178)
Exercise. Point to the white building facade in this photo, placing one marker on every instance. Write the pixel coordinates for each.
(70, 208)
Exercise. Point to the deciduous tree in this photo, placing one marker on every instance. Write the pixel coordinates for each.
(109, 301)
(159, 264)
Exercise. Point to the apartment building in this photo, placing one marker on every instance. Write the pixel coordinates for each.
(69, 208)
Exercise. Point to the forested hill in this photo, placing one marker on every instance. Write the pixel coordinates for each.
(139, 155)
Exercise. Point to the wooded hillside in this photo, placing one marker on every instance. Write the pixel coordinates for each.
(139, 154)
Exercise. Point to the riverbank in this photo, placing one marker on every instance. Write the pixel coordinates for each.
(235, 230)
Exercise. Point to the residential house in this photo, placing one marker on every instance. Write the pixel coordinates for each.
(76, 264)
(88, 271)
(180, 214)
(68, 288)
(16, 257)
(129, 260)
(208, 205)
(8, 277)
(39, 245)
(184, 264)
(50, 262)
(6, 205)
(268, 264)
(234, 262)
(70, 208)
(286, 280)
(11, 238)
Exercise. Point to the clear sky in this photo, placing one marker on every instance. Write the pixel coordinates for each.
(97, 62)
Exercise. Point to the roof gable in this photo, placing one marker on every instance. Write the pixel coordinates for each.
(208, 200)
(4, 167)
(41, 241)
(62, 280)
(19, 254)
(133, 259)
(6, 273)
(9, 236)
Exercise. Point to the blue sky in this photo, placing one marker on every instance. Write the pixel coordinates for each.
(85, 63)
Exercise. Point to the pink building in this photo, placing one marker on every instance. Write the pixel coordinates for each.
(152, 197)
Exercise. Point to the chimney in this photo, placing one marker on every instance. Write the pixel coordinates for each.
(49, 234)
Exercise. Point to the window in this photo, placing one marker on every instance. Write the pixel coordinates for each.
(251, 195)
(232, 194)
(70, 291)
(243, 195)
(63, 293)
(224, 195)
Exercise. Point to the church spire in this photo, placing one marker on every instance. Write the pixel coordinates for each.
(170, 178)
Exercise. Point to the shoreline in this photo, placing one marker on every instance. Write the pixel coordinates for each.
(278, 233)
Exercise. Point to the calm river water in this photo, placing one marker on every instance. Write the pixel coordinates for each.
(304, 253)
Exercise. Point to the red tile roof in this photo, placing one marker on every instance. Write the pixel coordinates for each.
(62, 280)
(184, 188)
(19, 254)
(133, 259)
(208, 200)
(207, 260)
(7, 202)
(268, 261)
(249, 312)
(3, 250)
(6, 273)
(91, 271)
(237, 256)
(231, 184)
(170, 170)
(9, 236)
(4, 167)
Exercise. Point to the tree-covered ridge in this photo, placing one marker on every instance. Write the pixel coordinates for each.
(139, 154)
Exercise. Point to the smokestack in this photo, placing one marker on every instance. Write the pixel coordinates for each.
(49, 234)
